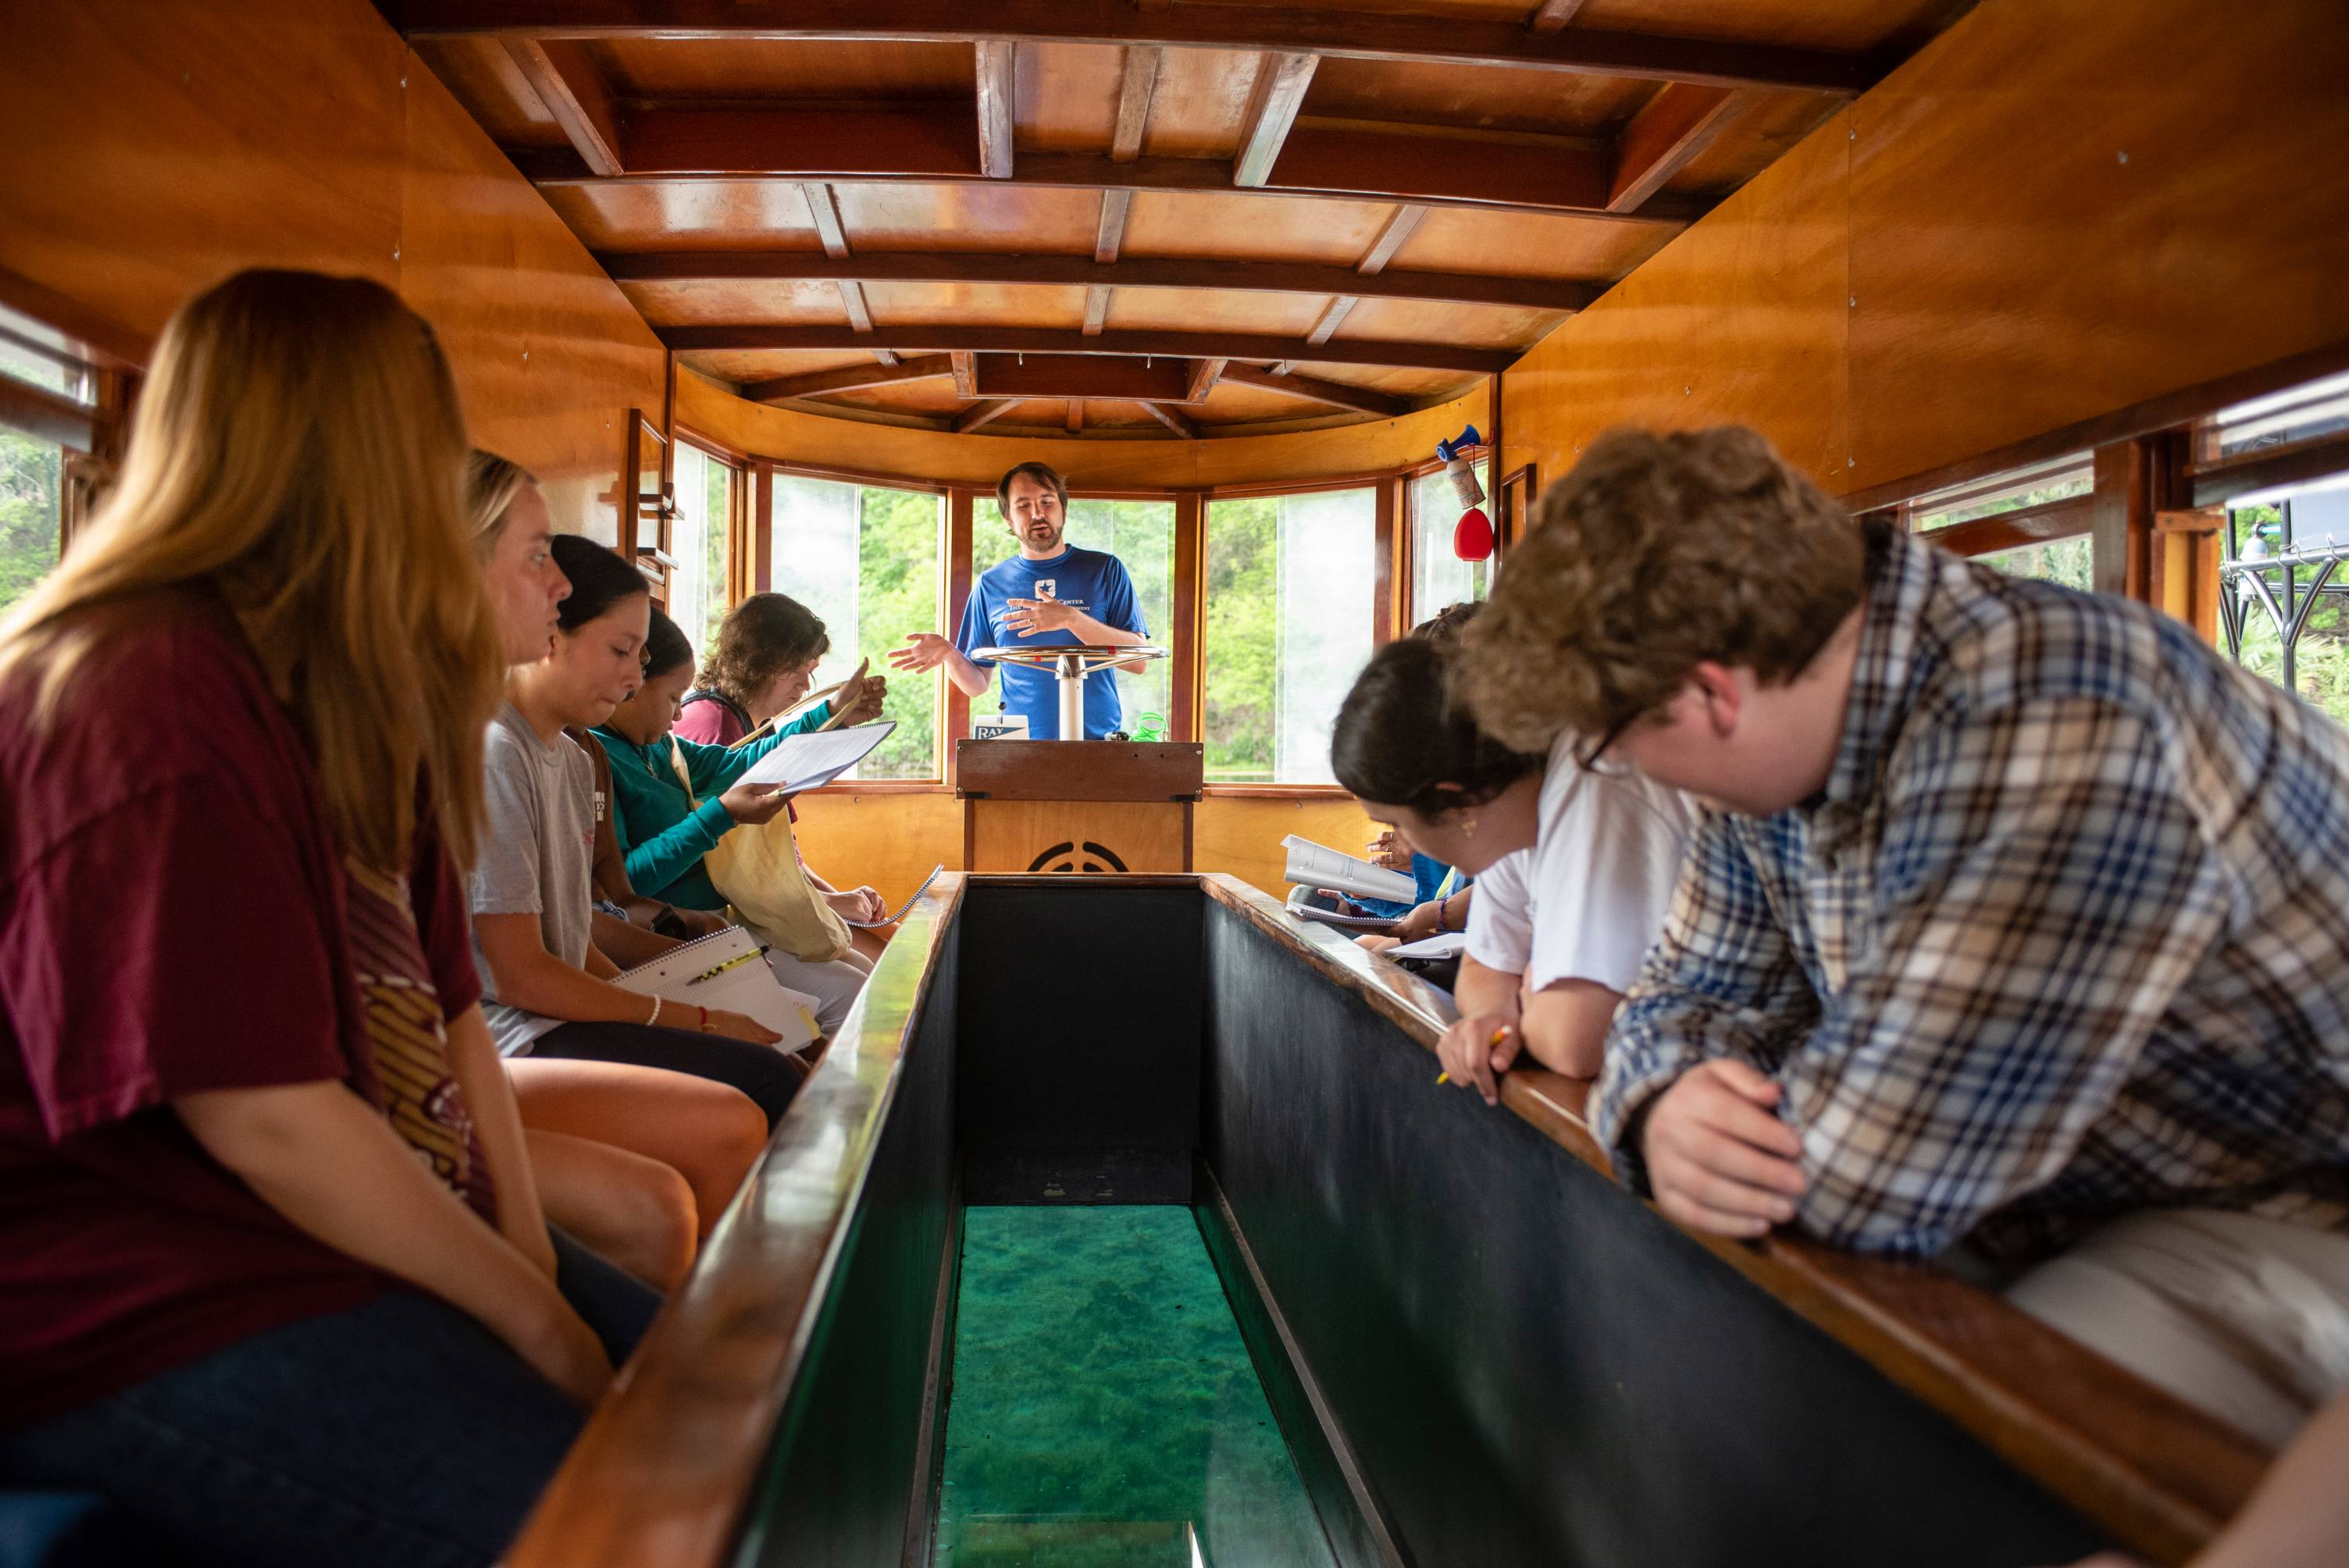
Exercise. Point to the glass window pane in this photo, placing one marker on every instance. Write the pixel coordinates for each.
(1291, 588)
(1438, 577)
(1142, 535)
(2297, 535)
(705, 500)
(864, 557)
(2070, 561)
(35, 352)
(32, 493)
(2058, 478)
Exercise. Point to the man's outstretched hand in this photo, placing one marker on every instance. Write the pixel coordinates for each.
(923, 651)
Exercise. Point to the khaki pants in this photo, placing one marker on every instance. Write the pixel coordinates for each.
(2245, 1316)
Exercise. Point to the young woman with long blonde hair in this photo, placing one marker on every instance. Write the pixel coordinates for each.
(276, 1275)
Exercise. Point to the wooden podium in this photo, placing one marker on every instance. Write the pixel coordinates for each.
(1077, 805)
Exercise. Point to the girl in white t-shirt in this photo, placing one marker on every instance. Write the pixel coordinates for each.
(1576, 864)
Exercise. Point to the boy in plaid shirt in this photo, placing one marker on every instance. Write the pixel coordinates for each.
(2020, 919)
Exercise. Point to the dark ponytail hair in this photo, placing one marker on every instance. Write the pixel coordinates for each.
(1398, 736)
(665, 648)
(599, 580)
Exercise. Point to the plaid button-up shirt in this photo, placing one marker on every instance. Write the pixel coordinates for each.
(2066, 934)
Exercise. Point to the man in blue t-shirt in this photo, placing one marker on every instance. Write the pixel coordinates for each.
(1050, 594)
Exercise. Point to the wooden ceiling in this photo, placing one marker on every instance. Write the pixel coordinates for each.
(1149, 218)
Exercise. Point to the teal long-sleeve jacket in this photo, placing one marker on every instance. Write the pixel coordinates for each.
(662, 833)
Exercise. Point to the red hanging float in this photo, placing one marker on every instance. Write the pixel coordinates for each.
(1472, 538)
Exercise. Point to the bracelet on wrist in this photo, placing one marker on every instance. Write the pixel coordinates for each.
(655, 1018)
(705, 1019)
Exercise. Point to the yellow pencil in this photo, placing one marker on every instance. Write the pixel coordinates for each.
(1498, 1035)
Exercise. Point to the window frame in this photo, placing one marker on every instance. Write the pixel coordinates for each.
(955, 709)
(1389, 584)
(741, 525)
(1408, 612)
(1184, 635)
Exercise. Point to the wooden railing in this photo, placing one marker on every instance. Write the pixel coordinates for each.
(666, 1463)
(2156, 1472)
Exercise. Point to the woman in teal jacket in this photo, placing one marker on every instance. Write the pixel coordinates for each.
(664, 835)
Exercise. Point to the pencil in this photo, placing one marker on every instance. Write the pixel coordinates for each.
(1498, 1035)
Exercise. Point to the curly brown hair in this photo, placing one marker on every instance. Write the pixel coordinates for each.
(1655, 553)
(760, 638)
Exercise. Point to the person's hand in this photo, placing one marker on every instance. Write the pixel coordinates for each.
(567, 1353)
(1718, 1160)
(753, 804)
(1476, 1051)
(862, 903)
(1388, 850)
(699, 921)
(860, 696)
(1377, 943)
(1029, 616)
(923, 651)
(736, 1026)
(1421, 922)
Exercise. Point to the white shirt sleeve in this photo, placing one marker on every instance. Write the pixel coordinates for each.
(1603, 875)
(1500, 915)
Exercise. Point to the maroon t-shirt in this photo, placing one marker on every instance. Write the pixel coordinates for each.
(171, 920)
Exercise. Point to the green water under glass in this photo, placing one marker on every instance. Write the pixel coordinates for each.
(1105, 1412)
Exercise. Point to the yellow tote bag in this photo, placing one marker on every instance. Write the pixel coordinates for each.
(757, 870)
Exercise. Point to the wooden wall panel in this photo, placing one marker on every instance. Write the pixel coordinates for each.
(548, 354)
(889, 839)
(980, 458)
(154, 147)
(1242, 834)
(1743, 318)
(1961, 260)
(892, 839)
(2014, 274)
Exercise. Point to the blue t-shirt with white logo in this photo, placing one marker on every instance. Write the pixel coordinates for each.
(1089, 580)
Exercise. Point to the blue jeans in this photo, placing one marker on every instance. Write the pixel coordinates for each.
(399, 1434)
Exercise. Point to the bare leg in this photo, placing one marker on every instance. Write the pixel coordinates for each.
(636, 1213)
(709, 1132)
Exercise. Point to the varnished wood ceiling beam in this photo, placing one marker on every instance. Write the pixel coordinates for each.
(1280, 93)
(1205, 374)
(965, 366)
(1135, 92)
(1551, 15)
(1082, 375)
(1172, 420)
(986, 413)
(1310, 389)
(933, 339)
(1110, 234)
(1400, 226)
(1076, 272)
(576, 94)
(1326, 163)
(1674, 127)
(850, 378)
(996, 61)
(1266, 29)
(1076, 415)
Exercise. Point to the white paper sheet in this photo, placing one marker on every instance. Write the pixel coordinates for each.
(812, 761)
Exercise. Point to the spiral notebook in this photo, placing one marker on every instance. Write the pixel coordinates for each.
(727, 969)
